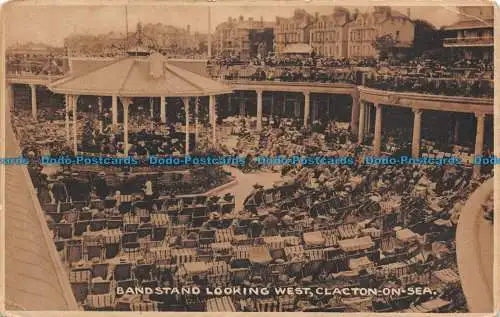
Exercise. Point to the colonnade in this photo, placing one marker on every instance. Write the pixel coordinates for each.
(307, 109)
(365, 122)
(360, 119)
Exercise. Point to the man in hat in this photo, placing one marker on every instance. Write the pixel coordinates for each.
(148, 194)
(101, 187)
(59, 190)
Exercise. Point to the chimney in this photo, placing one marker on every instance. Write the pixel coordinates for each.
(316, 16)
(188, 29)
(241, 18)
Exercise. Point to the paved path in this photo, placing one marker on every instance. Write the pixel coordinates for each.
(475, 252)
(245, 183)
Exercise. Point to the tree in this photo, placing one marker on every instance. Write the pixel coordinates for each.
(384, 44)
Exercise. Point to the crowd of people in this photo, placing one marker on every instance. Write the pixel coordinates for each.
(322, 226)
(470, 78)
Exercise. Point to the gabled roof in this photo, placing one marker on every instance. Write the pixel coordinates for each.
(132, 77)
(470, 24)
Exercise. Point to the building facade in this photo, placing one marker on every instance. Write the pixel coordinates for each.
(328, 34)
(294, 30)
(383, 21)
(233, 37)
(472, 35)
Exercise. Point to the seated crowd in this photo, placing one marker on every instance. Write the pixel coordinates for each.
(470, 78)
(364, 226)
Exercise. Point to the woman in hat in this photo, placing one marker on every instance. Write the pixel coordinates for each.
(43, 190)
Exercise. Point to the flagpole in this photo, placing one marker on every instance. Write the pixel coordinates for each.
(126, 28)
(209, 31)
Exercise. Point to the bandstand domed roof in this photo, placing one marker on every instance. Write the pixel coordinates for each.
(136, 76)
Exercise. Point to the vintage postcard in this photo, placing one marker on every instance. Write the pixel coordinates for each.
(275, 157)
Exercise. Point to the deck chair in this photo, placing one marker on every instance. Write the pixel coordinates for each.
(97, 224)
(49, 208)
(64, 206)
(144, 306)
(56, 217)
(78, 205)
(143, 272)
(144, 230)
(122, 272)
(100, 270)
(84, 215)
(64, 231)
(98, 204)
(80, 227)
(131, 227)
(98, 286)
(94, 250)
(109, 203)
(159, 233)
(79, 281)
(125, 207)
(98, 302)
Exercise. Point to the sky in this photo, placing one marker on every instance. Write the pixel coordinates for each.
(50, 24)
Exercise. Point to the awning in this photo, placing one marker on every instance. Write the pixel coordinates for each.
(193, 268)
(275, 242)
(314, 238)
(447, 276)
(350, 245)
(406, 235)
(297, 49)
(259, 255)
(360, 263)
(220, 304)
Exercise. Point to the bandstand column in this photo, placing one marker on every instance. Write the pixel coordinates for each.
(66, 117)
(377, 141)
(368, 118)
(163, 109)
(361, 128)
(456, 130)
(214, 126)
(33, 102)
(355, 113)
(478, 149)
(259, 110)
(114, 110)
(100, 104)
(196, 120)
(242, 107)
(417, 124)
(186, 111)
(151, 107)
(272, 105)
(126, 103)
(307, 107)
(213, 115)
(74, 103)
(314, 116)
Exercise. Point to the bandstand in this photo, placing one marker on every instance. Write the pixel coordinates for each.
(140, 74)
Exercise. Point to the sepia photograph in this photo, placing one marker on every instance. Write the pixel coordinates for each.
(214, 157)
